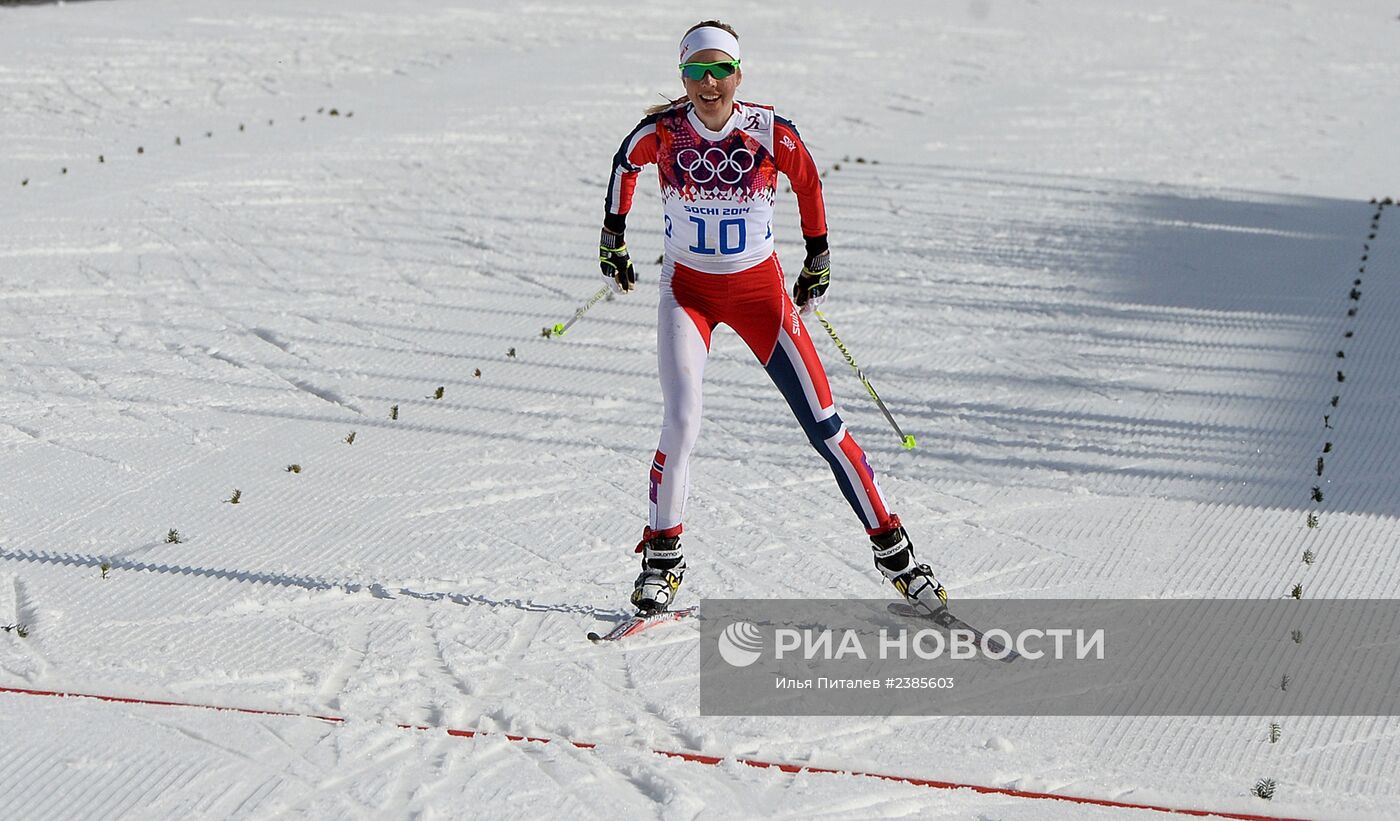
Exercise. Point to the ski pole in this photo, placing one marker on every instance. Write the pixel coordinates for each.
(905, 439)
(559, 328)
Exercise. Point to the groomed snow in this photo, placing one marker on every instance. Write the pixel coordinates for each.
(1096, 256)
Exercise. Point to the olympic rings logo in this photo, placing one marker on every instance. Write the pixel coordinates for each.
(714, 163)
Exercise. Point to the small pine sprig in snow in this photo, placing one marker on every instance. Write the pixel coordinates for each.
(173, 537)
(1264, 788)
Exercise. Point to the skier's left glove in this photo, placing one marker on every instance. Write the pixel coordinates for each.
(809, 292)
(616, 262)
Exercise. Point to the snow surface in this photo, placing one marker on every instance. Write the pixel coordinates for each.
(1097, 260)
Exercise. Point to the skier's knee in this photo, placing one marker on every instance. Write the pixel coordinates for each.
(820, 432)
(682, 423)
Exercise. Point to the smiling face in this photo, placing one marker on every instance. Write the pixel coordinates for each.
(713, 99)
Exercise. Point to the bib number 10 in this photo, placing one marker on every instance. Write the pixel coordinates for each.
(732, 237)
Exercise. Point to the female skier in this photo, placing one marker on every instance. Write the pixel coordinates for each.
(718, 162)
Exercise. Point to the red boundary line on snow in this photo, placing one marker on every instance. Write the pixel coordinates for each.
(698, 758)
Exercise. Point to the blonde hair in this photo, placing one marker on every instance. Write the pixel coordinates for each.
(660, 107)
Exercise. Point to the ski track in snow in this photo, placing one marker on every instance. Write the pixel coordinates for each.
(1115, 349)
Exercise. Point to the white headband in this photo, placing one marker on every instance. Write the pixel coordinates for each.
(707, 37)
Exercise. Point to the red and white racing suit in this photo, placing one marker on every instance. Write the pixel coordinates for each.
(717, 189)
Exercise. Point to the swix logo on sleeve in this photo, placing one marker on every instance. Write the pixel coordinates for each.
(788, 143)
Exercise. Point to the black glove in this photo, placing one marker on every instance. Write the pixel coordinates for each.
(809, 292)
(616, 262)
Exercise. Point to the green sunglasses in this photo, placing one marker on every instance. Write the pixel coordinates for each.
(719, 70)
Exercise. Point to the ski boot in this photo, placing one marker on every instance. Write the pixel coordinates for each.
(894, 556)
(663, 567)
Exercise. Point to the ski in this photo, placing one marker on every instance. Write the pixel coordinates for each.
(632, 625)
(944, 618)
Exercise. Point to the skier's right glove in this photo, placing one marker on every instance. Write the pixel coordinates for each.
(809, 292)
(616, 262)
